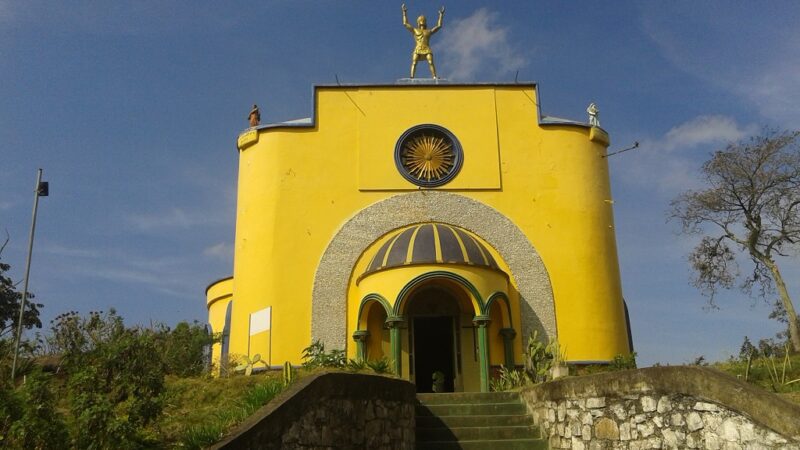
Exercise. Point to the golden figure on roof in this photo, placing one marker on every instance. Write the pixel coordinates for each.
(422, 36)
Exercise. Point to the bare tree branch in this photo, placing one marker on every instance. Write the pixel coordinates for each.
(752, 197)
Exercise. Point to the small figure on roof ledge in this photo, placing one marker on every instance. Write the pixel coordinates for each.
(254, 117)
(594, 114)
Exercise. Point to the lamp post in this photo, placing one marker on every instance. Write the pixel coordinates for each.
(42, 190)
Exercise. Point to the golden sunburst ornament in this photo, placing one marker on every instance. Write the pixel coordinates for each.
(428, 155)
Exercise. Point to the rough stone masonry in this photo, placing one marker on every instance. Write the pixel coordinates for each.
(662, 407)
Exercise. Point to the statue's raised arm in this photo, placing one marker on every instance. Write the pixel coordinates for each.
(405, 18)
(439, 23)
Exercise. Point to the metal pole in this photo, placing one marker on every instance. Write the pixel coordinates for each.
(27, 275)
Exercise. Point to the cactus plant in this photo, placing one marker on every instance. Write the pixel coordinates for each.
(248, 363)
(288, 373)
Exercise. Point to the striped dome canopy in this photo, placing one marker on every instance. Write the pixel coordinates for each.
(430, 243)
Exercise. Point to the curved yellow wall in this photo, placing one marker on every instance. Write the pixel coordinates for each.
(298, 185)
(218, 295)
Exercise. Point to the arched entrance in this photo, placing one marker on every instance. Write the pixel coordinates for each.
(434, 315)
(435, 304)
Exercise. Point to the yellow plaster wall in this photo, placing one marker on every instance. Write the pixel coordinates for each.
(297, 186)
(218, 295)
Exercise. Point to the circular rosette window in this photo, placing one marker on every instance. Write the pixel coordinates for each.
(428, 155)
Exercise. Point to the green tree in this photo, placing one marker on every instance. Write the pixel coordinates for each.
(9, 303)
(750, 205)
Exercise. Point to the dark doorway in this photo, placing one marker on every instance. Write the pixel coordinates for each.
(433, 350)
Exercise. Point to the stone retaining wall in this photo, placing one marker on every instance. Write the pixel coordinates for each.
(333, 411)
(662, 407)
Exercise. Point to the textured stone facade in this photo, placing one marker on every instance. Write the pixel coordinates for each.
(662, 407)
(333, 411)
(329, 306)
(651, 422)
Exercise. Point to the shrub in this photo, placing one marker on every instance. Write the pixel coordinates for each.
(315, 356)
(39, 425)
(115, 379)
(509, 379)
(185, 349)
(382, 365)
(624, 362)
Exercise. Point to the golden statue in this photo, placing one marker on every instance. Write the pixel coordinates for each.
(422, 35)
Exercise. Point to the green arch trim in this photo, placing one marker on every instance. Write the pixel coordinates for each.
(373, 297)
(402, 297)
(494, 297)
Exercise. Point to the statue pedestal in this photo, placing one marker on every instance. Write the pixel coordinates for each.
(423, 81)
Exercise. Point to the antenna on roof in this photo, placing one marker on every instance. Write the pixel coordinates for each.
(337, 79)
(632, 147)
(516, 76)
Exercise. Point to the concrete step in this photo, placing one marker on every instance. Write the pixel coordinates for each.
(468, 397)
(476, 433)
(471, 409)
(509, 444)
(474, 420)
(429, 421)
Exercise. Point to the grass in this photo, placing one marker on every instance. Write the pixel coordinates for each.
(775, 374)
(199, 411)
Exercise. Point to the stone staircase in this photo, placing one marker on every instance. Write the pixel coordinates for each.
(474, 420)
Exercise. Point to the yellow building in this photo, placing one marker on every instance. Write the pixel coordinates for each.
(433, 224)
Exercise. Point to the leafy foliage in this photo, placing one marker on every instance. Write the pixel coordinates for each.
(509, 379)
(35, 421)
(185, 349)
(382, 365)
(750, 205)
(315, 356)
(10, 300)
(115, 378)
(623, 362)
(541, 357)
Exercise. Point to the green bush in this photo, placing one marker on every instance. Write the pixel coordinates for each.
(185, 349)
(509, 379)
(382, 365)
(539, 358)
(29, 418)
(315, 356)
(115, 379)
(625, 362)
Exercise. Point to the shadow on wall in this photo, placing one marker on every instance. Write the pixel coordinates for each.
(357, 410)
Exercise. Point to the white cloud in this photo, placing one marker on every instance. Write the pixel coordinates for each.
(477, 44)
(142, 279)
(669, 164)
(175, 218)
(744, 49)
(222, 250)
(60, 250)
(170, 275)
(704, 130)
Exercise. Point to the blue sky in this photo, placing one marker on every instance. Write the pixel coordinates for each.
(133, 108)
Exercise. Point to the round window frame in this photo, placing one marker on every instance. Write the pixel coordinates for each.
(458, 154)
